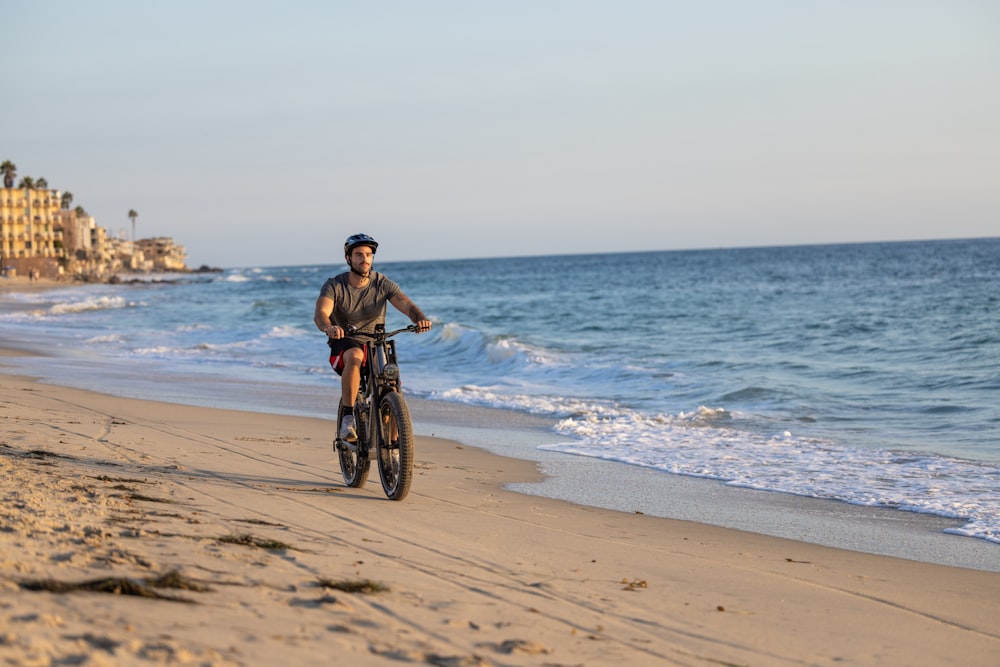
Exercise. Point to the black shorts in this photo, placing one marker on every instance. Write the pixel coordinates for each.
(337, 347)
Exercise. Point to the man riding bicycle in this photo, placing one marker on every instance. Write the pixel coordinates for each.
(357, 298)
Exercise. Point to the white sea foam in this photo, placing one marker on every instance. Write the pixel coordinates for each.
(464, 343)
(157, 351)
(459, 339)
(22, 315)
(785, 463)
(286, 331)
(107, 338)
(216, 347)
(500, 397)
(92, 303)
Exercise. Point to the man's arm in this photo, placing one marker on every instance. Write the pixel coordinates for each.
(324, 309)
(403, 304)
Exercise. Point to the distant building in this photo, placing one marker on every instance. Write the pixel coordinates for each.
(88, 251)
(39, 237)
(30, 236)
(162, 254)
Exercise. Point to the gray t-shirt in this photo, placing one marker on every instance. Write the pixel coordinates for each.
(361, 307)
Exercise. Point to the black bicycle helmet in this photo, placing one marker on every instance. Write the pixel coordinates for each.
(354, 240)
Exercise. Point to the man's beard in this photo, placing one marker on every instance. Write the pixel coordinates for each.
(359, 273)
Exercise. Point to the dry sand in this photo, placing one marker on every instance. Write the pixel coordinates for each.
(259, 554)
(25, 284)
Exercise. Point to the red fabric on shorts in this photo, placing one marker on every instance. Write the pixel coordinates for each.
(337, 360)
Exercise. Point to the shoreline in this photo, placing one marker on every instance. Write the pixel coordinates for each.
(249, 515)
(586, 481)
(25, 284)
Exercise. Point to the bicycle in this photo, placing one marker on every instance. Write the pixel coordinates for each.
(381, 419)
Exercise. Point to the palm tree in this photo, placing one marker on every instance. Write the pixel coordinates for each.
(132, 215)
(42, 184)
(67, 199)
(9, 170)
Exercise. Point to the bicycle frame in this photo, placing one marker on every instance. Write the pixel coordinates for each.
(380, 353)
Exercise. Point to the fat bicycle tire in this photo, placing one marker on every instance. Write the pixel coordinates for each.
(354, 465)
(395, 446)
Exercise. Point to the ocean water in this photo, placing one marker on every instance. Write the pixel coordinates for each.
(867, 374)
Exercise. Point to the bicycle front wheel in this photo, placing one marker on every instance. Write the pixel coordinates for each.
(395, 446)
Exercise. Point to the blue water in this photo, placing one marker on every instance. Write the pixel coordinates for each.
(868, 374)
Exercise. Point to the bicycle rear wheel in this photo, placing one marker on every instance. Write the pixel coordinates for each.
(354, 465)
(395, 446)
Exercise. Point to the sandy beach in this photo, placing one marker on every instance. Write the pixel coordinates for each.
(136, 532)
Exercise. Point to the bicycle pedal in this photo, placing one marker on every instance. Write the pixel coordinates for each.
(344, 444)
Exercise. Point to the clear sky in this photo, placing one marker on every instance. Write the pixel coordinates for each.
(263, 133)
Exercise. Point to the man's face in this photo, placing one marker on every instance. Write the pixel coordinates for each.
(361, 259)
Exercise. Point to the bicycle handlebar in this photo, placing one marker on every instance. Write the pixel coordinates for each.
(351, 331)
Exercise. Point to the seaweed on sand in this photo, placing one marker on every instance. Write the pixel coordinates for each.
(145, 588)
(248, 540)
(366, 586)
